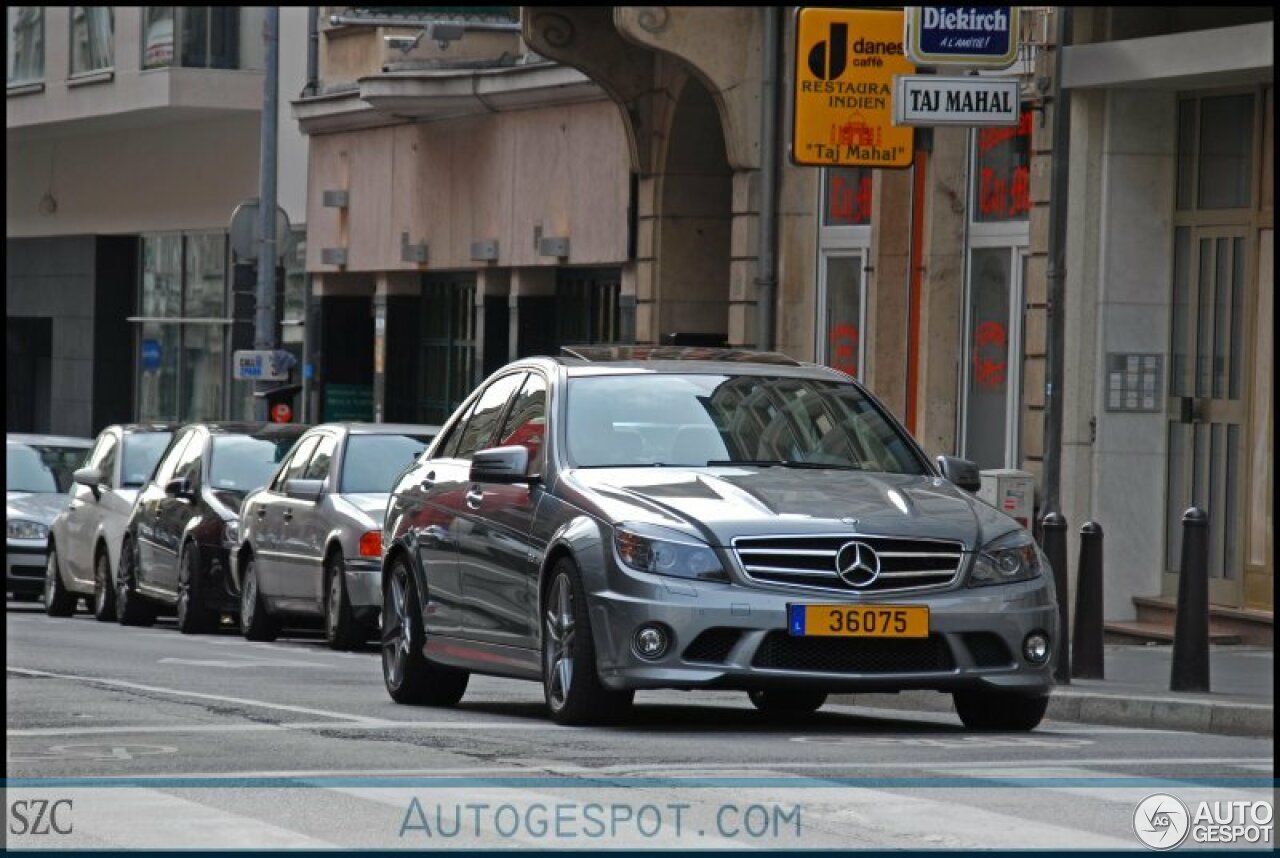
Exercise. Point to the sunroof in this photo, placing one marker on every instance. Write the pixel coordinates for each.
(607, 353)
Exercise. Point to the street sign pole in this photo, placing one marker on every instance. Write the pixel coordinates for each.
(264, 321)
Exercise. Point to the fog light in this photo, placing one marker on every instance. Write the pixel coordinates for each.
(650, 642)
(1035, 648)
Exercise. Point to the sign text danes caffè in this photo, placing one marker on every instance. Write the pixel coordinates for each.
(846, 60)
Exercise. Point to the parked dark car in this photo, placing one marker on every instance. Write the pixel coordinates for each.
(37, 474)
(612, 520)
(85, 538)
(311, 539)
(175, 554)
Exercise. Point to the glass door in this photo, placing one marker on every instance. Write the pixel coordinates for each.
(841, 343)
(1206, 401)
(990, 428)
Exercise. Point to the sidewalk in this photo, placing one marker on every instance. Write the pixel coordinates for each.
(1136, 693)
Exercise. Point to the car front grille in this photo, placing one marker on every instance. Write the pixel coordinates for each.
(810, 561)
(781, 651)
(713, 645)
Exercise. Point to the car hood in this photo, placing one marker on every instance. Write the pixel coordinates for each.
(725, 502)
(39, 506)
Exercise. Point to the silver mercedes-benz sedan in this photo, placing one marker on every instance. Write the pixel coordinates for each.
(616, 520)
(310, 541)
(37, 475)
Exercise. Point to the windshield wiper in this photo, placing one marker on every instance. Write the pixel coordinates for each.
(784, 463)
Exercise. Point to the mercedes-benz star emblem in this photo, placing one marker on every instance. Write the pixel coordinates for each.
(857, 564)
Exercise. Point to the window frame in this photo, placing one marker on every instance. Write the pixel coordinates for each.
(77, 74)
(40, 42)
(325, 438)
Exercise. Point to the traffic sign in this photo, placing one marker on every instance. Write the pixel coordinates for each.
(281, 413)
(846, 61)
(928, 99)
(245, 231)
(150, 354)
(970, 36)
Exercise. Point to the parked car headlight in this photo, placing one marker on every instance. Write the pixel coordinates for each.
(1012, 557)
(22, 529)
(666, 552)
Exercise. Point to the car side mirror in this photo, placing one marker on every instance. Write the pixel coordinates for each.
(501, 465)
(179, 488)
(962, 472)
(304, 490)
(90, 477)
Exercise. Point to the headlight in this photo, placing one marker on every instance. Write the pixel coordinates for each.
(666, 552)
(1013, 557)
(231, 533)
(21, 529)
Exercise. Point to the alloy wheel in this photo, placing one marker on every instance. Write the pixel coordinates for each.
(397, 640)
(558, 649)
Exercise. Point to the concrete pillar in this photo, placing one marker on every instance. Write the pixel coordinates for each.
(526, 282)
(887, 293)
(388, 283)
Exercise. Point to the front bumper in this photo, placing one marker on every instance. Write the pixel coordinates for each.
(734, 637)
(25, 565)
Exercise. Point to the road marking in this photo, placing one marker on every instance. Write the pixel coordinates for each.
(99, 753)
(245, 661)
(367, 724)
(242, 701)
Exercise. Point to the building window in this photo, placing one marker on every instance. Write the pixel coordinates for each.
(1002, 190)
(1215, 152)
(182, 357)
(588, 306)
(844, 240)
(214, 37)
(26, 44)
(92, 38)
(448, 346)
(846, 196)
(842, 278)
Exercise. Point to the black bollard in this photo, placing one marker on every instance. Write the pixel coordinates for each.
(1086, 638)
(1053, 530)
(1191, 623)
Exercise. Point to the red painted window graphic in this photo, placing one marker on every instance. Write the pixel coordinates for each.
(844, 349)
(990, 356)
(1004, 172)
(848, 197)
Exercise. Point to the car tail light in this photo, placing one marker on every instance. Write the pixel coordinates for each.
(371, 544)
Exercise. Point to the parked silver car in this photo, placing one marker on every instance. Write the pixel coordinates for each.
(37, 474)
(311, 539)
(85, 538)
(615, 521)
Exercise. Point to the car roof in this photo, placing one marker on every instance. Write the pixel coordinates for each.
(631, 353)
(49, 440)
(146, 427)
(668, 359)
(360, 428)
(232, 427)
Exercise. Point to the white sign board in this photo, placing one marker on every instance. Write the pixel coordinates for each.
(261, 365)
(936, 100)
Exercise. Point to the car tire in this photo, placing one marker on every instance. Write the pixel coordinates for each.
(341, 631)
(131, 609)
(409, 677)
(256, 623)
(104, 592)
(571, 684)
(791, 702)
(193, 617)
(1000, 710)
(57, 601)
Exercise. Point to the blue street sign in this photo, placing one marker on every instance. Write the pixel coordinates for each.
(150, 354)
(969, 36)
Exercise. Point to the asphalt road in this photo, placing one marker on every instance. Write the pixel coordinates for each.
(162, 740)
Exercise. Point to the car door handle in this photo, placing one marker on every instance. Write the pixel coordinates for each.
(429, 481)
(262, 512)
(288, 516)
(474, 497)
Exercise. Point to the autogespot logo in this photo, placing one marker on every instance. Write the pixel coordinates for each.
(1161, 821)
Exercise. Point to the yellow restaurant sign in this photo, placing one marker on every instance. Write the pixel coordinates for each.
(846, 60)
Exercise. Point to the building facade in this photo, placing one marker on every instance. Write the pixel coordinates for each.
(132, 134)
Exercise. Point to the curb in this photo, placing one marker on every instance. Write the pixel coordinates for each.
(1156, 713)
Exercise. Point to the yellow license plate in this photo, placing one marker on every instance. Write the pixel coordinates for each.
(858, 621)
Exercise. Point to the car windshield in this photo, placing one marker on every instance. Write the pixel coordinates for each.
(41, 467)
(241, 463)
(141, 452)
(374, 461)
(696, 419)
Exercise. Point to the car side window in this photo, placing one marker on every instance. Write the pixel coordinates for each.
(189, 463)
(448, 445)
(297, 464)
(106, 461)
(484, 418)
(526, 424)
(164, 472)
(322, 459)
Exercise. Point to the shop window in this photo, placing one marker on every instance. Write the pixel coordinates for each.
(846, 196)
(92, 38)
(993, 357)
(842, 279)
(26, 44)
(1002, 167)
